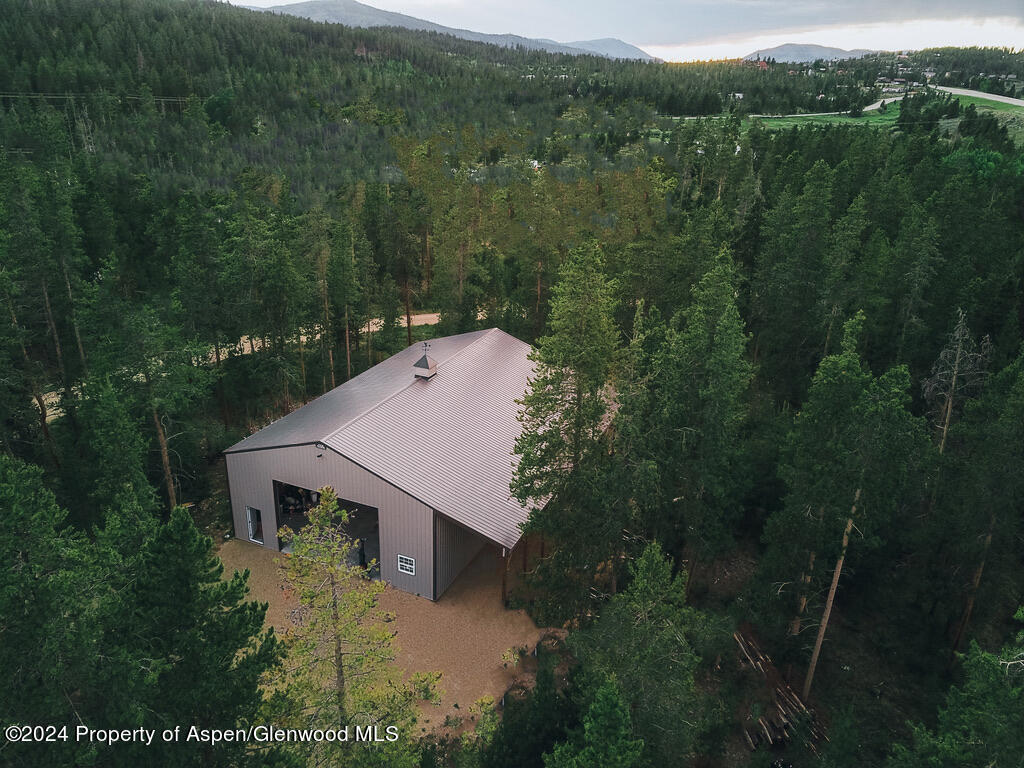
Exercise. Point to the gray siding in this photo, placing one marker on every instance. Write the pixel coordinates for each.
(454, 548)
(406, 525)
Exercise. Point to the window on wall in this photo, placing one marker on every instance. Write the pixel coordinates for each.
(407, 565)
(255, 519)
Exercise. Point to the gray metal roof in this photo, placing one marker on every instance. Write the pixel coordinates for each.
(447, 441)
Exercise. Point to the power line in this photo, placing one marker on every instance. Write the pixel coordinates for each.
(42, 95)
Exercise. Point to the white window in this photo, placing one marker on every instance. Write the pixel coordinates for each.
(255, 519)
(407, 565)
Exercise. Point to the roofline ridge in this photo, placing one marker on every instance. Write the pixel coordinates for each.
(321, 396)
(369, 410)
(412, 381)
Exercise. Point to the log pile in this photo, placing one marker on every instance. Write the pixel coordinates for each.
(786, 714)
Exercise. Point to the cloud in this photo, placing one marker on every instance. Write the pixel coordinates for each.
(688, 22)
(899, 35)
(700, 21)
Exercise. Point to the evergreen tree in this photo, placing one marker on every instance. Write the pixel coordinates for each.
(982, 723)
(532, 725)
(202, 643)
(42, 653)
(606, 741)
(561, 450)
(115, 451)
(340, 671)
(138, 628)
(986, 476)
(677, 428)
(645, 639)
(795, 237)
(852, 450)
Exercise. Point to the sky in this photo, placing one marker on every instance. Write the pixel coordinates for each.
(685, 30)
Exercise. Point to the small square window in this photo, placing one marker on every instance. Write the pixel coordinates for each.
(406, 565)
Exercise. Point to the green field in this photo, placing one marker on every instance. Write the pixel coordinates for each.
(993, 106)
(1009, 114)
(875, 118)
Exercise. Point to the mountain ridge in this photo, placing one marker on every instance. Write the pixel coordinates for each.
(803, 53)
(355, 14)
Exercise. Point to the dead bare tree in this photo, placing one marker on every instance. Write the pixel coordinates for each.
(959, 373)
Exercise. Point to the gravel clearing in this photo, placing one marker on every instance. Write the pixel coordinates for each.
(463, 635)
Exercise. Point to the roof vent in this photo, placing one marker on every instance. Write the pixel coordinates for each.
(426, 366)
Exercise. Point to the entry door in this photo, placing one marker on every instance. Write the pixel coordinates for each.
(255, 524)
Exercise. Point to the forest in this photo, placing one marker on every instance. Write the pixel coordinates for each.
(778, 407)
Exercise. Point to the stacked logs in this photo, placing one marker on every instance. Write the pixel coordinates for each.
(786, 712)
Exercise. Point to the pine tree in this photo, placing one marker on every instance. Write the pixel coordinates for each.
(137, 628)
(852, 449)
(982, 723)
(42, 652)
(986, 476)
(607, 739)
(645, 638)
(141, 349)
(958, 373)
(340, 669)
(532, 725)
(565, 412)
(681, 410)
(795, 237)
(202, 643)
(116, 450)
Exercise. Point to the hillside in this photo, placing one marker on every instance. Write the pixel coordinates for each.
(356, 14)
(804, 53)
(613, 48)
(812, 331)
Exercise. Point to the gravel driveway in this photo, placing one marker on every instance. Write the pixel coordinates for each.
(463, 635)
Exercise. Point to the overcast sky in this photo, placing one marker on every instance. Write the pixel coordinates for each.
(693, 29)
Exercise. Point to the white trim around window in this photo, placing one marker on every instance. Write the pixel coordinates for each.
(407, 565)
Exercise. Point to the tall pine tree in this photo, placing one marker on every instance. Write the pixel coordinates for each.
(562, 451)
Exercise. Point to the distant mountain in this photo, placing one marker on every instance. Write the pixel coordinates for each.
(612, 48)
(355, 14)
(803, 54)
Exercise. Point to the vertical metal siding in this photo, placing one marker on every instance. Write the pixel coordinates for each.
(454, 548)
(406, 525)
(250, 486)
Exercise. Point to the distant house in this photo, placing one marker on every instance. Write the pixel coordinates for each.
(763, 66)
(419, 450)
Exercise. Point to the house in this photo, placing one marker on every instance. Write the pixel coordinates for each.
(419, 449)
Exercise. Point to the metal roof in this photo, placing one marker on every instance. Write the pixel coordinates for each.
(447, 440)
